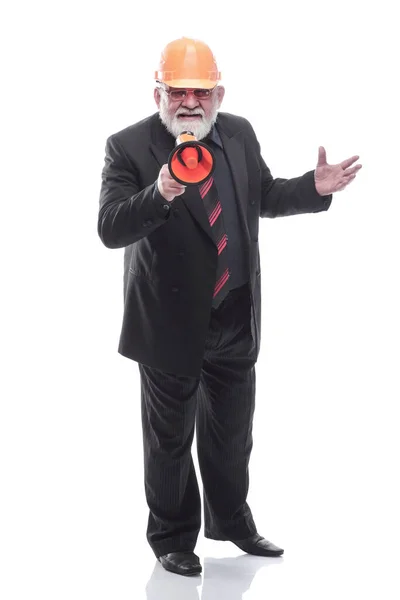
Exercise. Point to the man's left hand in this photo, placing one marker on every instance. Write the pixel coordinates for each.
(333, 178)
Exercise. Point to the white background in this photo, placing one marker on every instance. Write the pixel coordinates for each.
(324, 469)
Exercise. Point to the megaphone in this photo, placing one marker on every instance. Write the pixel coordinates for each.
(191, 162)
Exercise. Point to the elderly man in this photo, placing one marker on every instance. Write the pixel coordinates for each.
(192, 298)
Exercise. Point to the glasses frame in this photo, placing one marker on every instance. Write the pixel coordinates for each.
(193, 91)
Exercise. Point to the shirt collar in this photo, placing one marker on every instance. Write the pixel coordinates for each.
(213, 136)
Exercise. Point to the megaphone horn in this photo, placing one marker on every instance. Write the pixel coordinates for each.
(191, 162)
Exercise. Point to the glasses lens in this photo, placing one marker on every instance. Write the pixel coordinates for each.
(177, 94)
(202, 93)
(181, 94)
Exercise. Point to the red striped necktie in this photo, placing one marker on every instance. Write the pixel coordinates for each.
(212, 204)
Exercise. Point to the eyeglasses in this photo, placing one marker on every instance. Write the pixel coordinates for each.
(176, 95)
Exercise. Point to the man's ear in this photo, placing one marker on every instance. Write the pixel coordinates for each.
(157, 97)
(221, 93)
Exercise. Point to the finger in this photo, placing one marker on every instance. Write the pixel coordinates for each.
(352, 170)
(345, 184)
(349, 161)
(177, 188)
(346, 180)
(172, 183)
(349, 178)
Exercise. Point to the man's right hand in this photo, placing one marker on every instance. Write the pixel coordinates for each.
(168, 187)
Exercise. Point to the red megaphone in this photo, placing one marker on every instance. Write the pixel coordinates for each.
(191, 162)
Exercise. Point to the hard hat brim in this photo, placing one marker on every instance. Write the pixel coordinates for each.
(205, 84)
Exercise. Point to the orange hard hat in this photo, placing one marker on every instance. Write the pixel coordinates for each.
(188, 63)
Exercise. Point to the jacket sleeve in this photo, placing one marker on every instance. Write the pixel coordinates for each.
(283, 197)
(127, 213)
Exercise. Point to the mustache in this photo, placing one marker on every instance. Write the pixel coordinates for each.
(190, 113)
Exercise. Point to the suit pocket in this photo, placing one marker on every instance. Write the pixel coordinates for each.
(140, 274)
(141, 263)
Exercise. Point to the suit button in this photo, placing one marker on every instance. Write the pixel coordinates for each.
(252, 201)
(166, 206)
(175, 289)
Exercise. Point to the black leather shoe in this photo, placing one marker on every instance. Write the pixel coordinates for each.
(259, 546)
(183, 563)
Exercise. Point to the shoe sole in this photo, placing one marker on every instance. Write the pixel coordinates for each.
(270, 554)
(265, 554)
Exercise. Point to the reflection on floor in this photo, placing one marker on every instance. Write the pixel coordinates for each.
(222, 578)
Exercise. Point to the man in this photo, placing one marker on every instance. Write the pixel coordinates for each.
(192, 298)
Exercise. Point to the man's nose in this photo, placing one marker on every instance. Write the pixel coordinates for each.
(190, 101)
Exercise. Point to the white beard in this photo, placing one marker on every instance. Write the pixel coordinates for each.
(176, 125)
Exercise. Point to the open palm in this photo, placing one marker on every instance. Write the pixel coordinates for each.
(333, 178)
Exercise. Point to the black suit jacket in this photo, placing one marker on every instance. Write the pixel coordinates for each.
(170, 257)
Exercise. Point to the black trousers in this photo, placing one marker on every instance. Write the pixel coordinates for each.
(220, 403)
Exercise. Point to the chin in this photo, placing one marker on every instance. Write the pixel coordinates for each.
(199, 128)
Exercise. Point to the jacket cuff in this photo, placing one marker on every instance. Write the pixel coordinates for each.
(162, 206)
(322, 202)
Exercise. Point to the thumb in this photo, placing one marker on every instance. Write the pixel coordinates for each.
(321, 156)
